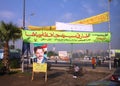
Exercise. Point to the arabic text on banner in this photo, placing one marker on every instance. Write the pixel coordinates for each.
(64, 37)
(39, 67)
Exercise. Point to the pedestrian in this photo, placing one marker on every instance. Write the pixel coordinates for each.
(119, 62)
(93, 61)
(76, 71)
(115, 62)
(97, 61)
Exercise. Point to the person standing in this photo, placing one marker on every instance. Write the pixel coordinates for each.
(93, 61)
(119, 62)
(115, 62)
(76, 71)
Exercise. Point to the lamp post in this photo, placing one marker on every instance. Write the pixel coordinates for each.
(71, 51)
(109, 45)
(23, 14)
(54, 53)
(71, 54)
(23, 42)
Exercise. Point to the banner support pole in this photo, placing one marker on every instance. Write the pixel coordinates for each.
(23, 28)
(109, 45)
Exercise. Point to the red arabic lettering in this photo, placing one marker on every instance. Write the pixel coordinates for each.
(45, 34)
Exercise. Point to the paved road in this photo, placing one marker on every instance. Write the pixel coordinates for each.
(86, 63)
(82, 63)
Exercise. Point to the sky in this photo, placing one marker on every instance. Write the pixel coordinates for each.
(48, 12)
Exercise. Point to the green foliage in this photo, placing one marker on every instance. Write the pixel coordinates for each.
(1, 44)
(1, 65)
(51, 53)
(8, 32)
(15, 63)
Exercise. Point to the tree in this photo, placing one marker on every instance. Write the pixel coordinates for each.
(51, 53)
(8, 31)
(1, 44)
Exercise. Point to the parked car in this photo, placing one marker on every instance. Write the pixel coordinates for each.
(116, 75)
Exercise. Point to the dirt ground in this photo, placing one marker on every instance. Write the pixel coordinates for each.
(54, 78)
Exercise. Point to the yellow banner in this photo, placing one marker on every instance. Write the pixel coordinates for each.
(42, 28)
(39, 67)
(65, 37)
(117, 51)
(104, 17)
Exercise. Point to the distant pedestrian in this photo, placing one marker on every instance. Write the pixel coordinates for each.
(119, 62)
(76, 71)
(103, 60)
(93, 61)
(97, 61)
(115, 62)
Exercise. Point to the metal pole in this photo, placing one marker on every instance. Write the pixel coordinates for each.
(23, 28)
(54, 54)
(23, 14)
(71, 54)
(109, 31)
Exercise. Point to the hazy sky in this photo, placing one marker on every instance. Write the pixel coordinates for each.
(47, 12)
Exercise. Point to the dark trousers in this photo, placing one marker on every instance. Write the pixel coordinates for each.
(93, 66)
(76, 73)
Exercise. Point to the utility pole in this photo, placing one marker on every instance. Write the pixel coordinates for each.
(23, 29)
(23, 14)
(71, 54)
(109, 45)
